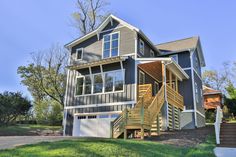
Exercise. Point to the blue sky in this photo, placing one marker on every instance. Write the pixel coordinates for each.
(31, 25)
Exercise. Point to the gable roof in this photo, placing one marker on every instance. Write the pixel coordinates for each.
(208, 91)
(181, 45)
(178, 45)
(103, 25)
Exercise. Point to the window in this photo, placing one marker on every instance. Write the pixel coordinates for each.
(114, 81)
(141, 77)
(92, 117)
(104, 116)
(141, 47)
(79, 54)
(81, 117)
(98, 83)
(111, 45)
(156, 87)
(151, 53)
(79, 85)
(87, 85)
(196, 93)
(174, 57)
(119, 81)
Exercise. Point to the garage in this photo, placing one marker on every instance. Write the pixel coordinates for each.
(93, 125)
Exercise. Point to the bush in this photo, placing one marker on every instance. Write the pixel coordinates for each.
(210, 116)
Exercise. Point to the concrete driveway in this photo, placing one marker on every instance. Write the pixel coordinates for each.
(225, 152)
(13, 141)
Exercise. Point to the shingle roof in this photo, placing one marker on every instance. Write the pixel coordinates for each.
(208, 90)
(178, 45)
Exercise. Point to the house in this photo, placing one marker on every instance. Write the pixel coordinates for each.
(212, 98)
(119, 83)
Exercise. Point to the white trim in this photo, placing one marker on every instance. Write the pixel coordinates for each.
(177, 58)
(200, 114)
(110, 50)
(97, 113)
(82, 54)
(189, 68)
(197, 74)
(193, 89)
(140, 72)
(188, 111)
(129, 54)
(100, 105)
(141, 42)
(112, 29)
(103, 78)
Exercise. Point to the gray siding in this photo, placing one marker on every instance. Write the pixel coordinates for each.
(201, 122)
(93, 47)
(127, 95)
(186, 90)
(196, 63)
(147, 48)
(184, 59)
(199, 104)
(187, 120)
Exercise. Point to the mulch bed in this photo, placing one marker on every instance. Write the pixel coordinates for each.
(184, 138)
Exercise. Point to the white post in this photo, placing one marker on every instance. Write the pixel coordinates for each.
(219, 116)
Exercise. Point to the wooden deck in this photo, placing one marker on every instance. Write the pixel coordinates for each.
(142, 116)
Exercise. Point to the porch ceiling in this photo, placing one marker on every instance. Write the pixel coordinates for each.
(153, 69)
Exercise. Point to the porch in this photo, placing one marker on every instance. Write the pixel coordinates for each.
(158, 101)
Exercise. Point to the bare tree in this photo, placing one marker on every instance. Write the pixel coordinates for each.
(45, 76)
(89, 15)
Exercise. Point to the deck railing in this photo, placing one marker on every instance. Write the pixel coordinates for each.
(219, 116)
(174, 98)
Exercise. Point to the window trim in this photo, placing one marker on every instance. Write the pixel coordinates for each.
(152, 52)
(141, 41)
(80, 76)
(110, 50)
(177, 58)
(82, 54)
(103, 92)
(144, 79)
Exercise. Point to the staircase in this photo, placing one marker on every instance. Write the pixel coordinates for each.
(228, 135)
(144, 115)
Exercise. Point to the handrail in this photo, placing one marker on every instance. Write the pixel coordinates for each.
(219, 116)
(174, 97)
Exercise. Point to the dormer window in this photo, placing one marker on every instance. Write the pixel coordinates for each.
(111, 45)
(141, 47)
(79, 54)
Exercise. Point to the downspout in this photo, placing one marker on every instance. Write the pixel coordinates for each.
(193, 88)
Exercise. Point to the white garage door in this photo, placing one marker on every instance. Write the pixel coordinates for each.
(92, 125)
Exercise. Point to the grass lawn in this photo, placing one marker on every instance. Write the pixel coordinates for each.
(109, 147)
(25, 129)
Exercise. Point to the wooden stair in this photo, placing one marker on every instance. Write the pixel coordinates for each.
(228, 135)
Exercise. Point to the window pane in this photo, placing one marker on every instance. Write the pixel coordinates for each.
(87, 85)
(141, 47)
(119, 81)
(114, 52)
(98, 83)
(79, 54)
(79, 86)
(106, 45)
(106, 37)
(108, 82)
(114, 44)
(106, 53)
(115, 36)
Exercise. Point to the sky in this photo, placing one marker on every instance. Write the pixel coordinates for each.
(28, 26)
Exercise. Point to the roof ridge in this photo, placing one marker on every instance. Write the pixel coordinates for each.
(177, 40)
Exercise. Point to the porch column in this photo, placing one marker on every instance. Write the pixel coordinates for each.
(170, 79)
(176, 84)
(164, 108)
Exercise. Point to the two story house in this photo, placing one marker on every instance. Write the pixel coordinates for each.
(119, 83)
